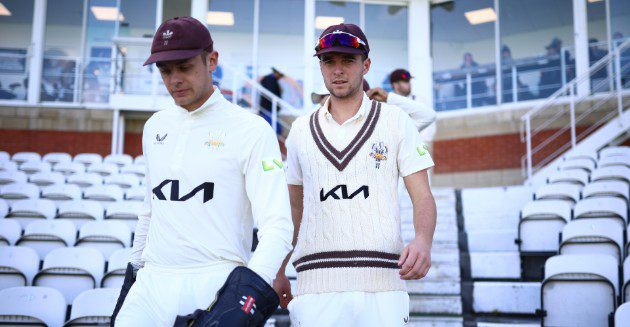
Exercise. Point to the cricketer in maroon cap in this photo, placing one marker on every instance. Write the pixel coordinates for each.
(183, 51)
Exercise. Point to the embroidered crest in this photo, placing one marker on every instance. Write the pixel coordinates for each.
(215, 140)
(379, 153)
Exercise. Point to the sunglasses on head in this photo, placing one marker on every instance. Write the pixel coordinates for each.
(341, 38)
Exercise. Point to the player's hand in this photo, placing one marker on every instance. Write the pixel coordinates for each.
(377, 94)
(415, 260)
(282, 286)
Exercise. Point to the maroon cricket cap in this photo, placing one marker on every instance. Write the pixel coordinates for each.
(350, 29)
(400, 75)
(179, 38)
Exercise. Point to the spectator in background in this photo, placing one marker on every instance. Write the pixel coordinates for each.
(319, 97)
(618, 39)
(270, 82)
(479, 89)
(551, 74)
(507, 63)
(5, 94)
(598, 77)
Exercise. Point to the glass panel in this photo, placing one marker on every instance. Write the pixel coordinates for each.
(533, 35)
(386, 29)
(175, 8)
(139, 18)
(15, 37)
(462, 43)
(101, 21)
(620, 28)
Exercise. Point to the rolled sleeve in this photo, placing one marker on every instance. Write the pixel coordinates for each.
(421, 114)
(413, 155)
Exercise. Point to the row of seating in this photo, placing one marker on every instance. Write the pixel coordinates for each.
(71, 168)
(64, 192)
(86, 159)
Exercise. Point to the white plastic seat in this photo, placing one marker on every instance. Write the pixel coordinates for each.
(47, 178)
(93, 307)
(80, 212)
(140, 160)
(541, 223)
(32, 306)
(84, 180)
(62, 192)
(46, 235)
(119, 159)
(4, 156)
(21, 157)
(625, 288)
(602, 207)
(18, 266)
(55, 158)
(88, 159)
(136, 169)
(607, 188)
(615, 161)
(573, 176)
(71, 271)
(593, 236)
(135, 193)
(33, 167)
(122, 180)
(590, 155)
(103, 169)
(622, 315)
(116, 267)
(19, 191)
(8, 166)
(559, 191)
(104, 193)
(4, 208)
(612, 151)
(10, 231)
(585, 164)
(126, 212)
(573, 283)
(13, 177)
(621, 173)
(105, 236)
(27, 211)
(69, 168)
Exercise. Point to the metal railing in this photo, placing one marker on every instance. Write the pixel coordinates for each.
(576, 110)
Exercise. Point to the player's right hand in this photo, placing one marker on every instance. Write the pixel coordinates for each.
(282, 286)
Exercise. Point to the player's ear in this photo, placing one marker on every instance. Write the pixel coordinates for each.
(366, 65)
(212, 58)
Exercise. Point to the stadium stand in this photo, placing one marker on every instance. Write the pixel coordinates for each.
(19, 265)
(116, 266)
(48, 178)
(69, 168)
(119, 159)
(62, 192)
(85, 180)
(10, 177)
(33, 167)
(32, 306)
(103, 169)
(80, 212)
(10, 231)
(105, 236)
(22, 157)
(88, 159)
(93, 307)
(29, 210)
(55, 158)
(46, 235)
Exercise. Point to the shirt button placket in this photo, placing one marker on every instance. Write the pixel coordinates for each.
(178, 158)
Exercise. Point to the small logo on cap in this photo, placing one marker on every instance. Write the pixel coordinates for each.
(167, 35)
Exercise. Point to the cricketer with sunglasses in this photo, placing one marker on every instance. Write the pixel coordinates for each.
(344, 163)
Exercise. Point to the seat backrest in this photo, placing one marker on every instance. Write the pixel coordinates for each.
(578, 163)
(13, 176)
(623, 160)
(626, 279)
(622, 315)
(594, 230)
(136, 169)
(19, 191)
(621, 173)
(98, 302)
(601, 207)
(125, 180)
(575, 176)
(104, 169)
(104, 193)
(600, 265)
(41, 208)
(10, 231)
(62, 192)
(69, 168)
(614, 151)
(44, 303)
(139, 160)
(86, 179)
(4, 156)
(87, 259)
(22, 259)
(31, 167)
(4, 208)
(607, 188)
(115, 230)
(118, 260)
(590, 155)
(88, 158)
(47, 178)
(136, 193)
(8, 166)
(62, 229)
(20, 157)
(560, 191)
(81, 209)
(118, 159)
(545, 209)
(57, 157)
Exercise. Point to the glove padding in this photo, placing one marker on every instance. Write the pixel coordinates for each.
(130, 278)
(245, 300)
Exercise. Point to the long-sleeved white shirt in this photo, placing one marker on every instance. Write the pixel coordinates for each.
(421, 114)
(211, 174)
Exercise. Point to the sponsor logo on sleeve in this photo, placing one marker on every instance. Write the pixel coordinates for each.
(272, 164)
(423, 150)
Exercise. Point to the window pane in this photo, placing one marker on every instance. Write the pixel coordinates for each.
(534, 33)
(386, 30)
(96, 75)
(620, 29)
(462, 43)
(231, 24)
(15, 37)
(139, 18)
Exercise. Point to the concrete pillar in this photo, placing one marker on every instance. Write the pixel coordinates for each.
(309, 45)
(199, 10)
(36, 55)
(580, 32)
(419, 45)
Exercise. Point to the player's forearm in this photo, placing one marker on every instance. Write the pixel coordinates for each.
(139, 241)
(424, 217)
(273, 246)
(421, 114)
(296, 200)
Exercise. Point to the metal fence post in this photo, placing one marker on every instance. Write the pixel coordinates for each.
(617, 58)
(468, 91)
(572, 115)
(528, 138)
(274, 114)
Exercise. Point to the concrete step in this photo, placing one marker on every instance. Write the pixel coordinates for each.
(531, 323)
(492, 240)
(439, 287)
(439, 237)
(506, 297)
(485, 221)
(495, 265)
(435, 321)
(443, 271)
(435, 304)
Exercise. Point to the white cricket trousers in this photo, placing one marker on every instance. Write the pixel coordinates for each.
(160, 294)
(341, 309)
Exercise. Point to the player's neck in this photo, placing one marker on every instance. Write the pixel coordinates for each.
(197, 104)
(343, 109)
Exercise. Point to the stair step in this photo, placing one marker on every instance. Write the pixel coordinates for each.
(443, 287)
(435, 321)
(506, 297)
(435, 304)
(492, 240)
(495, 265)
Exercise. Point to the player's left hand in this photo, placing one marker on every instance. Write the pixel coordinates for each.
(415, 260)
(377, 94)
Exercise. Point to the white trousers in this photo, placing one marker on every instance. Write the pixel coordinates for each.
(160, 294)
(341, 309)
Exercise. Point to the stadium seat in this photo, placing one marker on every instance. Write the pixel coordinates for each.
(32, 306)
(4, 208)
(620, 173)
(46, 235)
(118, 159)
(623, 161)
(8, 166)
(84, 180)
(4, 156)
(140, 160)
(125, 211)
(27, 211)
(572, 176)
(55, 158)
(135, 193)
(33, 167)
(602, 207)
(62, 192)
(93, 307)
(590, 155)
(10, 231)
(69, 168)
(579, 290)
(105, 194)
(584, 164)
(80, 212)
(12, 177)
(19, 191)
(22, 157)
(612, 151)
(116, 266)
(607, 188)
(47, 178)
(88, 159)
(103, 169)
(593, 236)
(559, 191)
(18, 266)
(71, 271)
(541, 223)
(136, 169)
(626, 280)
(622, 315)
(124, 181)
(105, 236)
